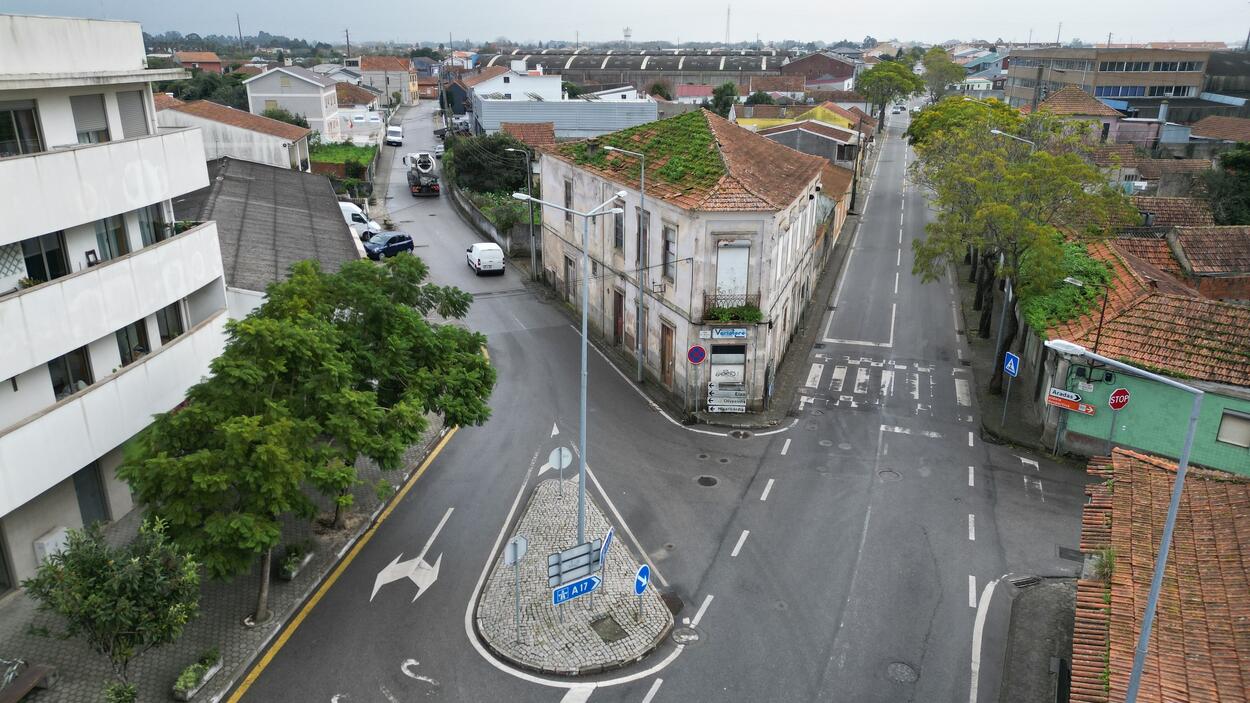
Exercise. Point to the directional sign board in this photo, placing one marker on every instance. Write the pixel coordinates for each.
(572, 564)
(1068, 400)
(726, 397)
(1119, 399)
(577, 589)
(1011, 364)
(641, 579)
(514, 550)
(696, 354)
(607, 542)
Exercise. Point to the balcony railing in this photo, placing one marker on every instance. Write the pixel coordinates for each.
(731, 307)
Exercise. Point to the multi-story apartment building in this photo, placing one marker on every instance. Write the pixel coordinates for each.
(300, 92)
(109, 309)
(1142, 76)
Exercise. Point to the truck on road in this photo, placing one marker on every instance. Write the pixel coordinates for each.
(422, 181)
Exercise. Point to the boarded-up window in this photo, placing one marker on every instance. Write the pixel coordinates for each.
(1234, 429)
(732, 260)
(134, 118)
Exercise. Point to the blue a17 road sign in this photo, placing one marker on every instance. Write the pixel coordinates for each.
(1011, 364)
(577, 589)
(642, 579)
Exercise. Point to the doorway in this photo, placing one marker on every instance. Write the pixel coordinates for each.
(89, 488)
(667, 334)
(568, 278)
(618, 317)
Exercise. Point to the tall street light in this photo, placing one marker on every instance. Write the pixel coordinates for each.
(581, 430)
(644, 243)
(1178, 486)
(529, 190)
(1002, 318)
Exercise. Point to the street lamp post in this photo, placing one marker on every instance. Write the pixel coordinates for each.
(529, 190)
(644, 244)
(1178, 485)
(581, 430)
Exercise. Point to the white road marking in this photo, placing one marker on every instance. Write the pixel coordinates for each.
(814, 374)
(785, 447)
(702, 609)
(969, 438)
(422, 574)
(1030, 462)
(959, 351)
(652, 691)
(896, 283)
(768, 487)
(846, 267)
(971, 476)
(861, 381)
(972, 527)
(978, 629)
(803, 401)
(907, 430)
(972, 591)
(898, 260)
(955, 317)
(738, 547)
(887, 383)
(962, 393)
(414, 663)
(839, 377)
(779, 430)
(1032, 483)
(554, 430)
(578, 694)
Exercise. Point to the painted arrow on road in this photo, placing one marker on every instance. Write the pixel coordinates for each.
(417, 570)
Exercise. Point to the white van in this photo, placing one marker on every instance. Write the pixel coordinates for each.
(485, 256)
(359, 223)
(394, 135)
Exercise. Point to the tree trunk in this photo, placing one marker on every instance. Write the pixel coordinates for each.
(340, 514)
(987, 305)
(1009, 336)
(968, 254)
(985, 284)
(974, 257)
(262, 597)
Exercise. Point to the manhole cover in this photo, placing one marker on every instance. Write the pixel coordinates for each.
(826, 442)
(706, 480)
(889, 475)
(740, 434)
(723, 460)
(844, 446)
(902, 673)
(703, 457)
(608, 629)
(432, 214)
(685, 635)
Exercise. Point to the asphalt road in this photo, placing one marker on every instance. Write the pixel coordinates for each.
(834, 559)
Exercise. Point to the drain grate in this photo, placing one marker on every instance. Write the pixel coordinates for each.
(740, 434)
(703, 457)
(708, 481)
(608, 629)
(818, 345)
(1024, 581)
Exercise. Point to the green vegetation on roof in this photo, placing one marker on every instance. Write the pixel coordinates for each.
(341, 153)
(1063, 301)
(681, 151)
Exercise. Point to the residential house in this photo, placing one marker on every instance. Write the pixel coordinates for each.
(427, 87)
(1125, 164)
(425, 67)
(757, 117)
(842, 98)
(389, 74)
(1160, 214)
(1214, 260)
(1198, 647)
(338, 72)
(839, 146)
(516, 83)
(792, 87)
(617, 92)
(690, 94)
(460, 90)
(300, 92)
(1070, 102)
(268, 218)
(729, 248)
(534, 96)
(110, 310)
(532, 134)
(1222, 129)
(238, 134)
(822, 70)
(359, 111)
(207, 61)
(463, 59)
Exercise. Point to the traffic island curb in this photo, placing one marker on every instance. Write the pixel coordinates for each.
(594, 633)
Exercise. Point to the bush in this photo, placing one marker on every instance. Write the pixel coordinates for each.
(503, 211)
(354, 169)
(117, 692)
(282, 114)
(483, 165)
(190, 677)
(737, 313)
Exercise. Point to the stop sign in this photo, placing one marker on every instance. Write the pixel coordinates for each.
(1119, 398)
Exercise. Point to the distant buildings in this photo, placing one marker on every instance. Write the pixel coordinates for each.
(300, 92)
(388, 74)
(202, 60)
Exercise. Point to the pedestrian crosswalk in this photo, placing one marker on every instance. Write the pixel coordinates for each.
(902, 387)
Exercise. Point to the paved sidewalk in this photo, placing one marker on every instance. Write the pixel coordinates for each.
(223, 606)
(566, 644)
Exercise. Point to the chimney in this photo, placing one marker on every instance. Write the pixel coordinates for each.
(1163, 112)
(592, 147)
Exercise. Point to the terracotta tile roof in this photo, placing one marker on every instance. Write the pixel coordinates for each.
(427, 80)
(1153, 250)
(825, 130)
(531, 133)
(780, 84)
(853, 115)
(837, 96)
(471, 79)
(349, 95)
(1071, 100)
(1200, 644)
(1231, 129)
(861, 114)
(687, 90)
(249, 70)
(196, 57)
(699, 161)
(164, 101)
(244, 120)
(835, 181)
(768, 112)
(1212, 251)
(1174, 212)
(385, 63)
(1152, 169)
(1111, 155)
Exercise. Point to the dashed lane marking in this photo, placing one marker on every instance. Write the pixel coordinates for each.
(1030, 462)
(785, 447)
(972, 527)
(962, 392)
(578, 694)
(969, 438)
(768, 487)
(972, 591)
(814, 374)
(971, 477)
(741, 540)
(652, 691)
(702, 609)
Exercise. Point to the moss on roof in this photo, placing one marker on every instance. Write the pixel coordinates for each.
(681, 152)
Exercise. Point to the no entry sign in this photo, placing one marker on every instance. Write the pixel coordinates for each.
(1119, 399)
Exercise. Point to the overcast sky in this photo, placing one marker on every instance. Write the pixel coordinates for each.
(684, 20)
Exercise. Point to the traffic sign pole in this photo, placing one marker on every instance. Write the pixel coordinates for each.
(1006, 397)
(1011, 367)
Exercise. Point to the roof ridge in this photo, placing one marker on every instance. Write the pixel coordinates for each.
(728, 171)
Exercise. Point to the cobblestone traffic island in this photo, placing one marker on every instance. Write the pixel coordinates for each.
(593, 633)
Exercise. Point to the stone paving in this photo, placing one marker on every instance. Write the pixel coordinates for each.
(568, 646)
(223, 606)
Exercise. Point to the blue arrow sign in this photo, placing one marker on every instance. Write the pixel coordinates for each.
(1011, 364)
(577, 589)
(642, 579)
(603, 551)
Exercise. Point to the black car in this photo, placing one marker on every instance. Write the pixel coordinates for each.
(386, 244)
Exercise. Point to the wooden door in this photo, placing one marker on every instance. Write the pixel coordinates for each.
(618, 317)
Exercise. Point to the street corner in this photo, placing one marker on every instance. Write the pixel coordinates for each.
(552, 606)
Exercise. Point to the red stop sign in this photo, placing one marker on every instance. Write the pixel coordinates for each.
(1119, 398)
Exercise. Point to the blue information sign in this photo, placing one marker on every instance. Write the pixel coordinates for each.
(577, 589)
(642, 579)
(1011, 364)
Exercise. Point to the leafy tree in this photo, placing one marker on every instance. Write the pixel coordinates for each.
(331, 368)
(888, 81)
(940, 72)
(121, 601)
(1228, 187)
(759, 97)
(203, 85)
(955, 111)
(868, 43)
(723, 98)
(282, 114)
(425, 52)
(483, 164)
(572, 90)
(280, 58)
(661, 89)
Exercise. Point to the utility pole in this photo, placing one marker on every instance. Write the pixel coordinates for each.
(1108, 40)
(239, 26)
(728, 12)
(1057, 33)
(348, 36)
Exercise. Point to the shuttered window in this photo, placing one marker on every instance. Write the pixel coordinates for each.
(89, 118)
(134, 119)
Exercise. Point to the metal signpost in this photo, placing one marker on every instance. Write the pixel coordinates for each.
(571, 565)
(641, 579)
(560, 458)
(1011, 367)
(512, 557)
(726, 397)
(577, 589)
(1117, 402)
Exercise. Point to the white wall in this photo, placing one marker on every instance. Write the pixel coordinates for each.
(68, 45)
(221, 139)
(55, 507)
(520, 85)
(318, 104)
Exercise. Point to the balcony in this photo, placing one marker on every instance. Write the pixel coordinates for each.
(50, 319)
(49, 446)
(54, 190)
(732, 307)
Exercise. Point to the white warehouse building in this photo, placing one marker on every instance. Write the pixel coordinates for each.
(109, 310)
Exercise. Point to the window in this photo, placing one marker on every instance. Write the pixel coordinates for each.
(644, 232)
(1177, 91)
(618, 227)
(1234, 429)
(110, 237)
(507, 96)
(284, 81)
(45, 257)
(90, 120)
(169, 322)
(132, 342)
(670, 251)
(70, 373)
(271, 104)
(568, 199)
(134, 117)
(152, 225)
(19, 128)
(507, 79)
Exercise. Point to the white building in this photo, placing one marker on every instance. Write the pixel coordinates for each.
(517, 83)
(729, 246)
(109, 310)
(238, 134)
(300, 92)
(513, 95)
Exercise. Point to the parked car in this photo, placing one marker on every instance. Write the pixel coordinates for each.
(387, 244)
(358, 119)
(374, 118)
(438, 151)
(394, 135)
(485, 256)
(358, 221)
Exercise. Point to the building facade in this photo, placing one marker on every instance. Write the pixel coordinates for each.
(389, 74)
(110, 310)
(238, 134)
(1143, 76)
(300, 92)
(573, 119)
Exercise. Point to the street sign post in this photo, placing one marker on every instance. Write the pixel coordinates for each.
(559, 459)
(696, 354)
(574, 563)
(1068, 400)
(1117, 401)
(1011, 367)
(641, 579)
(512, 557)
(577, 589)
